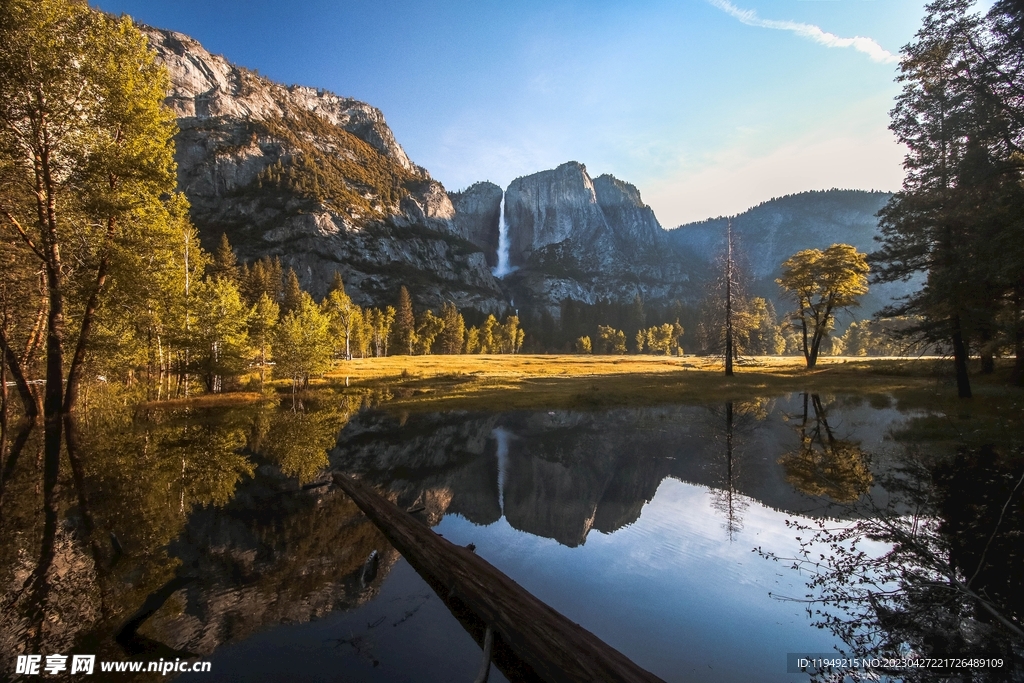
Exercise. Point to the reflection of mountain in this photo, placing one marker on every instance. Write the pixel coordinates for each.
(567, 472)
(271, 556)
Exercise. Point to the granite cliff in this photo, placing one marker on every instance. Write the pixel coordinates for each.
(587, 239)
(316, 179)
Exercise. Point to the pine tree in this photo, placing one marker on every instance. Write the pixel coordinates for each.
(292, 296)
(405, 321)
(336, 284)
(225, 264)
(452, 336)
(932, 225)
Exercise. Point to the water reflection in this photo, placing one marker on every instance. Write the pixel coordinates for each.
(935, 574)
(158, 537)
(563, 474)
(178, 532)
(822, 464)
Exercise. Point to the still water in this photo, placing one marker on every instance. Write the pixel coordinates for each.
(690, 538)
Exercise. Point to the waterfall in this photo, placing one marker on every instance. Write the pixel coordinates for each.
(503, 268)
(502, 438)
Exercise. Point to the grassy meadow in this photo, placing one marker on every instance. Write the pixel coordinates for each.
(510, 382)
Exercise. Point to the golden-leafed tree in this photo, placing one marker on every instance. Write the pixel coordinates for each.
(822, 283)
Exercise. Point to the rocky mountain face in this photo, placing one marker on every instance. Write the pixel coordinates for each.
(477, 213)
(586, 239)
(768, 234)
(316, 179)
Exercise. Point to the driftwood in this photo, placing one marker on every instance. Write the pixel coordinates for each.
(556, 649)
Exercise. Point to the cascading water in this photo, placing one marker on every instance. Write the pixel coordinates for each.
(501, 438)
(503, 268)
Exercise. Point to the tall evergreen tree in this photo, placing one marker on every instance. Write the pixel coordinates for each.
(453, 334)
(957, 216)
(405, 321)
(225, 263)
(292, 295)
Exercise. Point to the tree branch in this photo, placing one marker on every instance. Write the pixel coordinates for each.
(24, 236)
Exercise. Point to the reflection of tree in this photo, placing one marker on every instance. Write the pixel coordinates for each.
(147, 505)
(739, 416)
(298, 441)
(824, 465)
(937, 577)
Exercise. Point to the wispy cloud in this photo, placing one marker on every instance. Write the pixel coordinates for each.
(866, 45)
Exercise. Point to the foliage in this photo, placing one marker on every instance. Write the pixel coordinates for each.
(957, 217)
(302, 343)
(583, 345)
(326, 164)
(454, 331)
(822, 282)
(291, 295)
(87, 174)
(929, 575)
(495, 337)
(824, 465)
(221, 340)
(345, 317)
(662, 339)
(612, 341)
(757, 329)
(225, 263)
(405, 322)
(427, 331)
(263, 277)
(262, 321)
(377, 329)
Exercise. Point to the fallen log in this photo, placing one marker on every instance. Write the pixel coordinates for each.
(558, 650)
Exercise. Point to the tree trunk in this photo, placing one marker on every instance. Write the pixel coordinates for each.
(1017, 377)
(555, 648)
(812, 353)
(728, 303)
(988, 363)
(10, 361)
(803, 331)
(963, 380)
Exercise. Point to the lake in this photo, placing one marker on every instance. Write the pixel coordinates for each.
(669, 532)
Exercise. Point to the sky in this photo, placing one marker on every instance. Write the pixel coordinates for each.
(709, 107)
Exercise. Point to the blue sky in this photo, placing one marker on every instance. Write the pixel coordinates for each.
(708, 106)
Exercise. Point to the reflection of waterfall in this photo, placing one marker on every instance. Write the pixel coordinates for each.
(503, 268)
(502, 438)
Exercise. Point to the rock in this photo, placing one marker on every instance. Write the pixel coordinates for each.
(205, 86)
(632, 223)
(587, 240)
(317, 180)
(550, 207)
(477, 212)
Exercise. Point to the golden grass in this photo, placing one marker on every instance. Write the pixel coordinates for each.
(502, 382)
